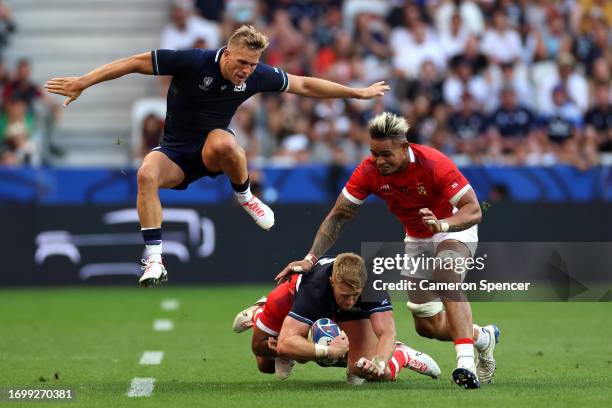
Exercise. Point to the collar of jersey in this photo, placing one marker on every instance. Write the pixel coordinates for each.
(218, 65)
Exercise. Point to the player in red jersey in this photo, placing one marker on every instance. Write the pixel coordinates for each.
(335, 288)
(439, 210)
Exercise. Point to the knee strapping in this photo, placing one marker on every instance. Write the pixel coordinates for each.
(428, 309)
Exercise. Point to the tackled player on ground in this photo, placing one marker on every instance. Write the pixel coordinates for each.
(335, 288)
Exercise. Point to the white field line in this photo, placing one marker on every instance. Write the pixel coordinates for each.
(151, 357)
(141, 387)
(163, 325)
(170, 304)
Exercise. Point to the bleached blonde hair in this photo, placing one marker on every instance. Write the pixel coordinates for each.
(388, 126)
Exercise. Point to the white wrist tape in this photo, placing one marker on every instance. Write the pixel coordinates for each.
(444, 226)
(379, 363)
(311, 258)
(321, 351)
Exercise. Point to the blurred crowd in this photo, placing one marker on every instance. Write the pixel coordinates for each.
(20, 130)
(20, 138)
(489, 82)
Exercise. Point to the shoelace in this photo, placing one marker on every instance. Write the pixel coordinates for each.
(147, 264)
(488, 364)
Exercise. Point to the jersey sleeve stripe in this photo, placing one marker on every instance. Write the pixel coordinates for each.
(285, 81)
(351, 197)
(381, 309)
(300, 318)
(455, 199)
(154, 60)
(265, 328)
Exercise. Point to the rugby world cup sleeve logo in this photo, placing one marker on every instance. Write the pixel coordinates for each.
(206, 83)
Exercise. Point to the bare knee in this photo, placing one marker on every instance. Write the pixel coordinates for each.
(147, 177)
(222, 147)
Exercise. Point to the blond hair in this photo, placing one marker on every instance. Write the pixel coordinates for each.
(248, 36)
(388, 126)
(350, 269)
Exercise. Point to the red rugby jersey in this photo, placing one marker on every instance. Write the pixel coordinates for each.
(431, 180)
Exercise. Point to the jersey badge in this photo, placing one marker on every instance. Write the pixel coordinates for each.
(421, 189)
(240, 88)
(206, 82)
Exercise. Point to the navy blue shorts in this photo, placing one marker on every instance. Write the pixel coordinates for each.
(189, 158)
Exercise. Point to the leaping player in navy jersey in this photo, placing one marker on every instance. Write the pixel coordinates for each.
(206, 89)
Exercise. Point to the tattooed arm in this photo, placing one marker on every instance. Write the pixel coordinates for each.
(329, 231)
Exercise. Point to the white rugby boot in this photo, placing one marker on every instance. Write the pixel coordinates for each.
(260, 212)
(283, 367)
(485, 362)
(244, 320)
(419, 362)
(154, 273)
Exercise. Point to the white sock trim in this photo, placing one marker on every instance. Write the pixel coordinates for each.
(244, 196)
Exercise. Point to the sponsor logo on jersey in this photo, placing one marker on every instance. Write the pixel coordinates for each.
(240, 88)
(206, 83)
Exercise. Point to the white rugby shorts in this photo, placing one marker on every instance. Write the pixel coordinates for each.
(417, 247)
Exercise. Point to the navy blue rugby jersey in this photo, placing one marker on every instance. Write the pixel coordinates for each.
(314, 298)
(199, 98)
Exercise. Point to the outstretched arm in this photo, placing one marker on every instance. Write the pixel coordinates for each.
(72, 87)
(321, 88)
(329, 231)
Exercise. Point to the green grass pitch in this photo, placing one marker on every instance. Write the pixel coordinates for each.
(550, 355)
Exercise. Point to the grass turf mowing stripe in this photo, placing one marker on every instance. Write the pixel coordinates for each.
(151, 357)
(170, 304)
(163, 325)
(141, 387)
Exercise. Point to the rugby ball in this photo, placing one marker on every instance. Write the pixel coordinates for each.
(322, 332)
